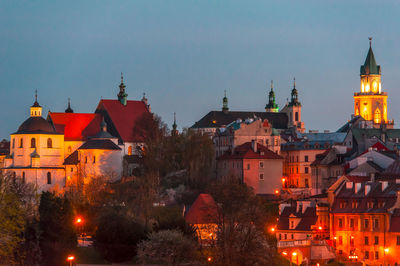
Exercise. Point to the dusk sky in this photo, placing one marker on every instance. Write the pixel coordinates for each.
(184, 54)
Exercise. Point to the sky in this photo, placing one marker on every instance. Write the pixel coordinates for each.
(184, 54)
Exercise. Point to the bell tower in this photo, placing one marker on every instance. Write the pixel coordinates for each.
(371, 101)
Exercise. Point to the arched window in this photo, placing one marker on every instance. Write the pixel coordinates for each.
(69, 149)
(21, 143)
(377, 116)
(33, 143)
(48, 178)
(85, 159)
(13, 143)
(94, 159)
(49, 143)
(296, 116)
(130, 150)
(23, 177)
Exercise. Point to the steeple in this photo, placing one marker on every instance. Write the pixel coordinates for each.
(174, 127)
(122, 95)
(294, 101)
(36, 109)
(271, 106)
(69, 109)
(225, 107)
(370, 67)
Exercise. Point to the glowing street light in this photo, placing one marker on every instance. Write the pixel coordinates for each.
(70, 258)
(320, 228)
(386, 250)
(78, 220)
(272, 229)
(209, 259)
(284, 253)
(276, 192)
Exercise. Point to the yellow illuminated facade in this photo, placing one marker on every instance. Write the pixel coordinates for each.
(371, 101)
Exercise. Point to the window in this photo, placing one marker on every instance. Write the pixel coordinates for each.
(376, 255)
(370, 204)
(398, 240)
(248, 166)
(72, 169)
(296, 116)
(306, 158)
(366, 223)
(33, 143)
(297, 170)
(306, 182)
(285, 236)
(21, 143)
(130, 150)
(292, 236)
(261, 165)
(291, 224)
(340, 222)
(354, 204)
(23, 177)
(94, 159)
(351, 223)
(85, 159)
(297, 158)
(340, 251)
(49, 143)
(352, 241)
(340, 240)
(69, 149)
(342, 204)
(376, 224)
(376, 240)
(366, 242)
(261, 176)
(306, 170)
(366, 256)
(48, 178)
(280, 237)
(13, 143)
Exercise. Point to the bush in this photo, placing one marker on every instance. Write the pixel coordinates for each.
(167, 247)
(117, 236)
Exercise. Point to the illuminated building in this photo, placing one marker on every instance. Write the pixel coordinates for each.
(53, 153)
(371, 101)
(271, 106)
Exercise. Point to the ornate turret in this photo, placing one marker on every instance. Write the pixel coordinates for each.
(36, 109)
(122, 95)
(225, 107)
(294, 101)
(371, 101)
(271, 106)
(69, 109)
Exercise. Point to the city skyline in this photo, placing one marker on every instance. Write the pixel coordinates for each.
(184, 57)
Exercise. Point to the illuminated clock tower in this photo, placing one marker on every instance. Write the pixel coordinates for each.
(371, 101)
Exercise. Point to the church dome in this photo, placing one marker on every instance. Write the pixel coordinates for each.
(36, 124)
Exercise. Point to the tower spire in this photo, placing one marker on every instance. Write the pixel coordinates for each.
(174, 126)
(69, 109)
(294, 101)
(122, 95)
(271, 105)
(225, 107)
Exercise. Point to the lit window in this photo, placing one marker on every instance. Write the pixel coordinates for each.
(33, 143)
(21, 143)
(261, 176)
(261, 165)
(376, 240)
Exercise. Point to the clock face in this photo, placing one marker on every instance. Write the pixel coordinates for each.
(374, 86)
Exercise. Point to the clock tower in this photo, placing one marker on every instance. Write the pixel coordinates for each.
(371, 101)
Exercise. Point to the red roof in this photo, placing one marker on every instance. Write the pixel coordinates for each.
(203, 210)
(76, 126)
(378, 146)
(123, 117)
(245, 151)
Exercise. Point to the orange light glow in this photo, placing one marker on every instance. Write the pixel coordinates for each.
(386, 250)
(276, 191)
(272, 229)
(283, 180)
(334, 237)
(78, 220)
(320, 228)
(209, 259)
(294, 254)
(70, 258)
(284, 253)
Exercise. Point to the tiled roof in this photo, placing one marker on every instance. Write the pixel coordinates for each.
(395, 221)
(245, 151)
(307, 219)
(121, 118)
(72, 159)
(204, 210)
(75, 126)
(393, 169)
(216, 119)
(346, 196)
(100, 144)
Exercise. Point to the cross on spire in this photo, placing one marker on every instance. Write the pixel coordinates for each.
(370, 41)
(122, 77)
(35, 95)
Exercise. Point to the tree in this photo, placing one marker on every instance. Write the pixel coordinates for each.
(167, 247)
(241, 238)
(57, 232)
(117, 236)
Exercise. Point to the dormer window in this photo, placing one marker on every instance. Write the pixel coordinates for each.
(381, 204)
(370, 204)
(342, 204)
(354, 204)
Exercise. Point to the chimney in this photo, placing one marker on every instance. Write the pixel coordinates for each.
(357, 187)
(367, 189)
(384, 185)
(254, 145)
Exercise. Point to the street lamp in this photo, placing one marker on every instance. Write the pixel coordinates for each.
(70, 258)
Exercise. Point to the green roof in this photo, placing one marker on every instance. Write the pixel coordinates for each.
(370, 66)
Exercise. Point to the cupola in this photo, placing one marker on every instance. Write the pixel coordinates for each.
(122, 95)
(36, 109)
